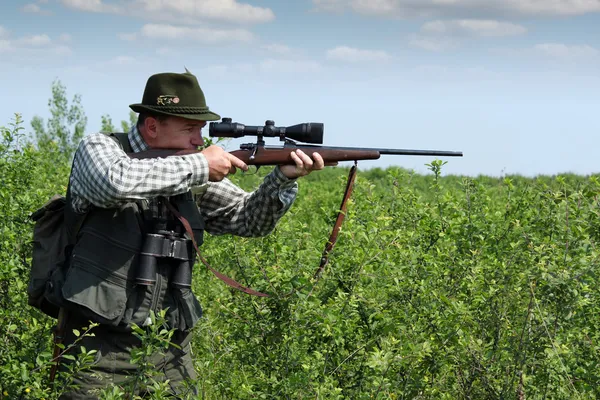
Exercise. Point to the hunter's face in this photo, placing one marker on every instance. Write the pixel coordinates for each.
(177, 133)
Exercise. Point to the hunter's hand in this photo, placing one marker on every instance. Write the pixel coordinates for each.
(221, 163)
(304, 164)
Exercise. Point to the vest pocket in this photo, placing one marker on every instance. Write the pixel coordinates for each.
(184, 309)
(101, 294)
(190, 307)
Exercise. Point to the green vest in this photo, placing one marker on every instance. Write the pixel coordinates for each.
(99, 282)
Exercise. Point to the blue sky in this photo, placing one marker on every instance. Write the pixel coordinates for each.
(514, 84)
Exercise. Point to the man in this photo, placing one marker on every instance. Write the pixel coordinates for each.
(125, 202)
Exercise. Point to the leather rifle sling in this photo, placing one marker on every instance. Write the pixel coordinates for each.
(338, 223)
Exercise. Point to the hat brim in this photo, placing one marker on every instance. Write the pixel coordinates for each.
(203, 116)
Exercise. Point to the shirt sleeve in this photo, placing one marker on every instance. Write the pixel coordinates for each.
(227, 208)
(103, 174)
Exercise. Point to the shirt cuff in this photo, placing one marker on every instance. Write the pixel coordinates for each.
(200, 169)
(281, 180)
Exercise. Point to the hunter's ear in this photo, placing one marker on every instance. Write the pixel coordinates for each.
(151, 125)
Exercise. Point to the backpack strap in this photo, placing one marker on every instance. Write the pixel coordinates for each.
(123, 139)
(75, 220)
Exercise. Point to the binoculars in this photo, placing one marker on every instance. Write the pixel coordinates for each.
(166, 245)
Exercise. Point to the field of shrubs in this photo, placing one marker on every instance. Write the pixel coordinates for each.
(439, 287)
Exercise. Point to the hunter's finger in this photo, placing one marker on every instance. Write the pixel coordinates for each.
(237, 163)
(319, 163)
(297, 160)
(308, 162)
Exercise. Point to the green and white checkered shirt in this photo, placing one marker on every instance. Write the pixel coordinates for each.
(104, 176)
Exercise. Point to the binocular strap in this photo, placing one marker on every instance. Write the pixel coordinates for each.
(219, 275)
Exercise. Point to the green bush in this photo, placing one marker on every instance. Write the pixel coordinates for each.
(440, 287)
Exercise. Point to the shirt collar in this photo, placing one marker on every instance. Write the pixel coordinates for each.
(136, 140)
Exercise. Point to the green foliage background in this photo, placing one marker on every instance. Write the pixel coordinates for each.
(440, 287)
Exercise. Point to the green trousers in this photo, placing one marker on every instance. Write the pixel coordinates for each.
(112, 364)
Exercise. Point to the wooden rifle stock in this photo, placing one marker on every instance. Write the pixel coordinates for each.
(281, 155)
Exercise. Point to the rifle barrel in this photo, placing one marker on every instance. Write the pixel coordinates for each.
(408, 152)
(403, 152)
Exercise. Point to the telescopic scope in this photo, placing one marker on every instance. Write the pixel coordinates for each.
(308, 132)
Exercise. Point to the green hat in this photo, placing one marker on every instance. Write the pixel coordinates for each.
(178, 95)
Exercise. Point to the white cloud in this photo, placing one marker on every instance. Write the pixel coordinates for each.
(106, 68)
(475, 27)
(122, 60)
(350, 54)
(165, 51)
(375, 6)
(167, 32)
(289, 66)
(33, 41)
(227, 10)
(557, 7)
(330, 5)
(280, 49)
(5, 46)
(31, 8)
(567, 52)
(556, 55)
(201, 35)
(35, 8)
(441, 35)
(268, 67)
(92, 6)
(428, 43)
(460, 8)
(181, 11)
(31, 46)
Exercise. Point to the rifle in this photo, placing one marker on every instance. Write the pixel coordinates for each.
(259, 154)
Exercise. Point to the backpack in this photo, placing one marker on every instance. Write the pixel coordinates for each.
(55, 230)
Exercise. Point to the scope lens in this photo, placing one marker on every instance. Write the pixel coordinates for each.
(310, 132)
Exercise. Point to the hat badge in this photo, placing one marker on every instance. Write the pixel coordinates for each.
(166, 99)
